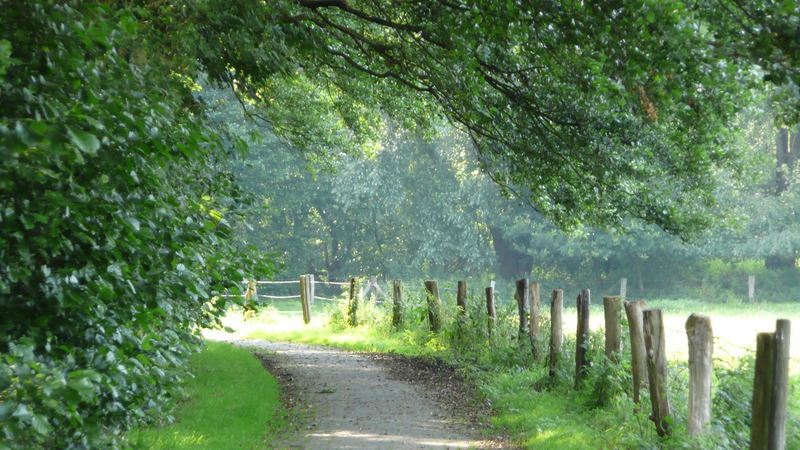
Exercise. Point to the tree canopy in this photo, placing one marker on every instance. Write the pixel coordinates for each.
(117, 205)
(592, 113)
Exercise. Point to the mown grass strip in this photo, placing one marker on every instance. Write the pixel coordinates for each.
(232, 403)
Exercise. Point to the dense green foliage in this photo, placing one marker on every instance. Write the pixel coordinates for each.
(115, 226)
(232, 402)
(622, 109)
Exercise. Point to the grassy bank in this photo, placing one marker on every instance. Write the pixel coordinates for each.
(232, 402)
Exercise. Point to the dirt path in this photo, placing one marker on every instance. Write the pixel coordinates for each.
(357, 403)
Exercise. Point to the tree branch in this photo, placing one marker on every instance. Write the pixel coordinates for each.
(342, 5)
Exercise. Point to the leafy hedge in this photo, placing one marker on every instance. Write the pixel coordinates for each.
(116, 225)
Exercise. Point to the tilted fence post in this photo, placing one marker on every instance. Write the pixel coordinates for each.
(633, 310)
(657, 369)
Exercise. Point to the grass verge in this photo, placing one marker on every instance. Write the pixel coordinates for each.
(232, 403)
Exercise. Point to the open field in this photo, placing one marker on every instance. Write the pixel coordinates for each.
(735, 325)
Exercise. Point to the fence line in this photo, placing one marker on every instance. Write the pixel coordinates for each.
(772, 352)
(317, 297)
(772, 358)
(338, 283)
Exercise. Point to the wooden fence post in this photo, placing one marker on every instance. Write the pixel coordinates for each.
(657, 369)
(461, 298)
(751, 288)
(353, 309)
(533, 320)
(434, 305)
(770, 389)
(762, 391)
(582, 336)
(780, 385)
(397, 303)
(490, 311)
(522, 297)
(701, 347)
(304, 298)
(623, 287)
(556, 333)
(612, 311)
(633, 310)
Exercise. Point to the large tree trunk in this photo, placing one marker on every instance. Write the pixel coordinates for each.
(779, 261)
(511, 263)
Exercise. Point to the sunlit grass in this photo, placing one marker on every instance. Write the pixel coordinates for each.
(232, 403)
(272, 324)
(538, 419)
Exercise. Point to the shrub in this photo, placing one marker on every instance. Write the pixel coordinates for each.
(116, 226)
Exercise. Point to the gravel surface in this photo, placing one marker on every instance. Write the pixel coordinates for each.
(350, 400)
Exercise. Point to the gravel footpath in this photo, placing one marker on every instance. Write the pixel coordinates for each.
(362, 401)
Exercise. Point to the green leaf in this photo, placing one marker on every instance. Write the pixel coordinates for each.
(86, 142)
(22, 412)
(40, 425)
(6, 409)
